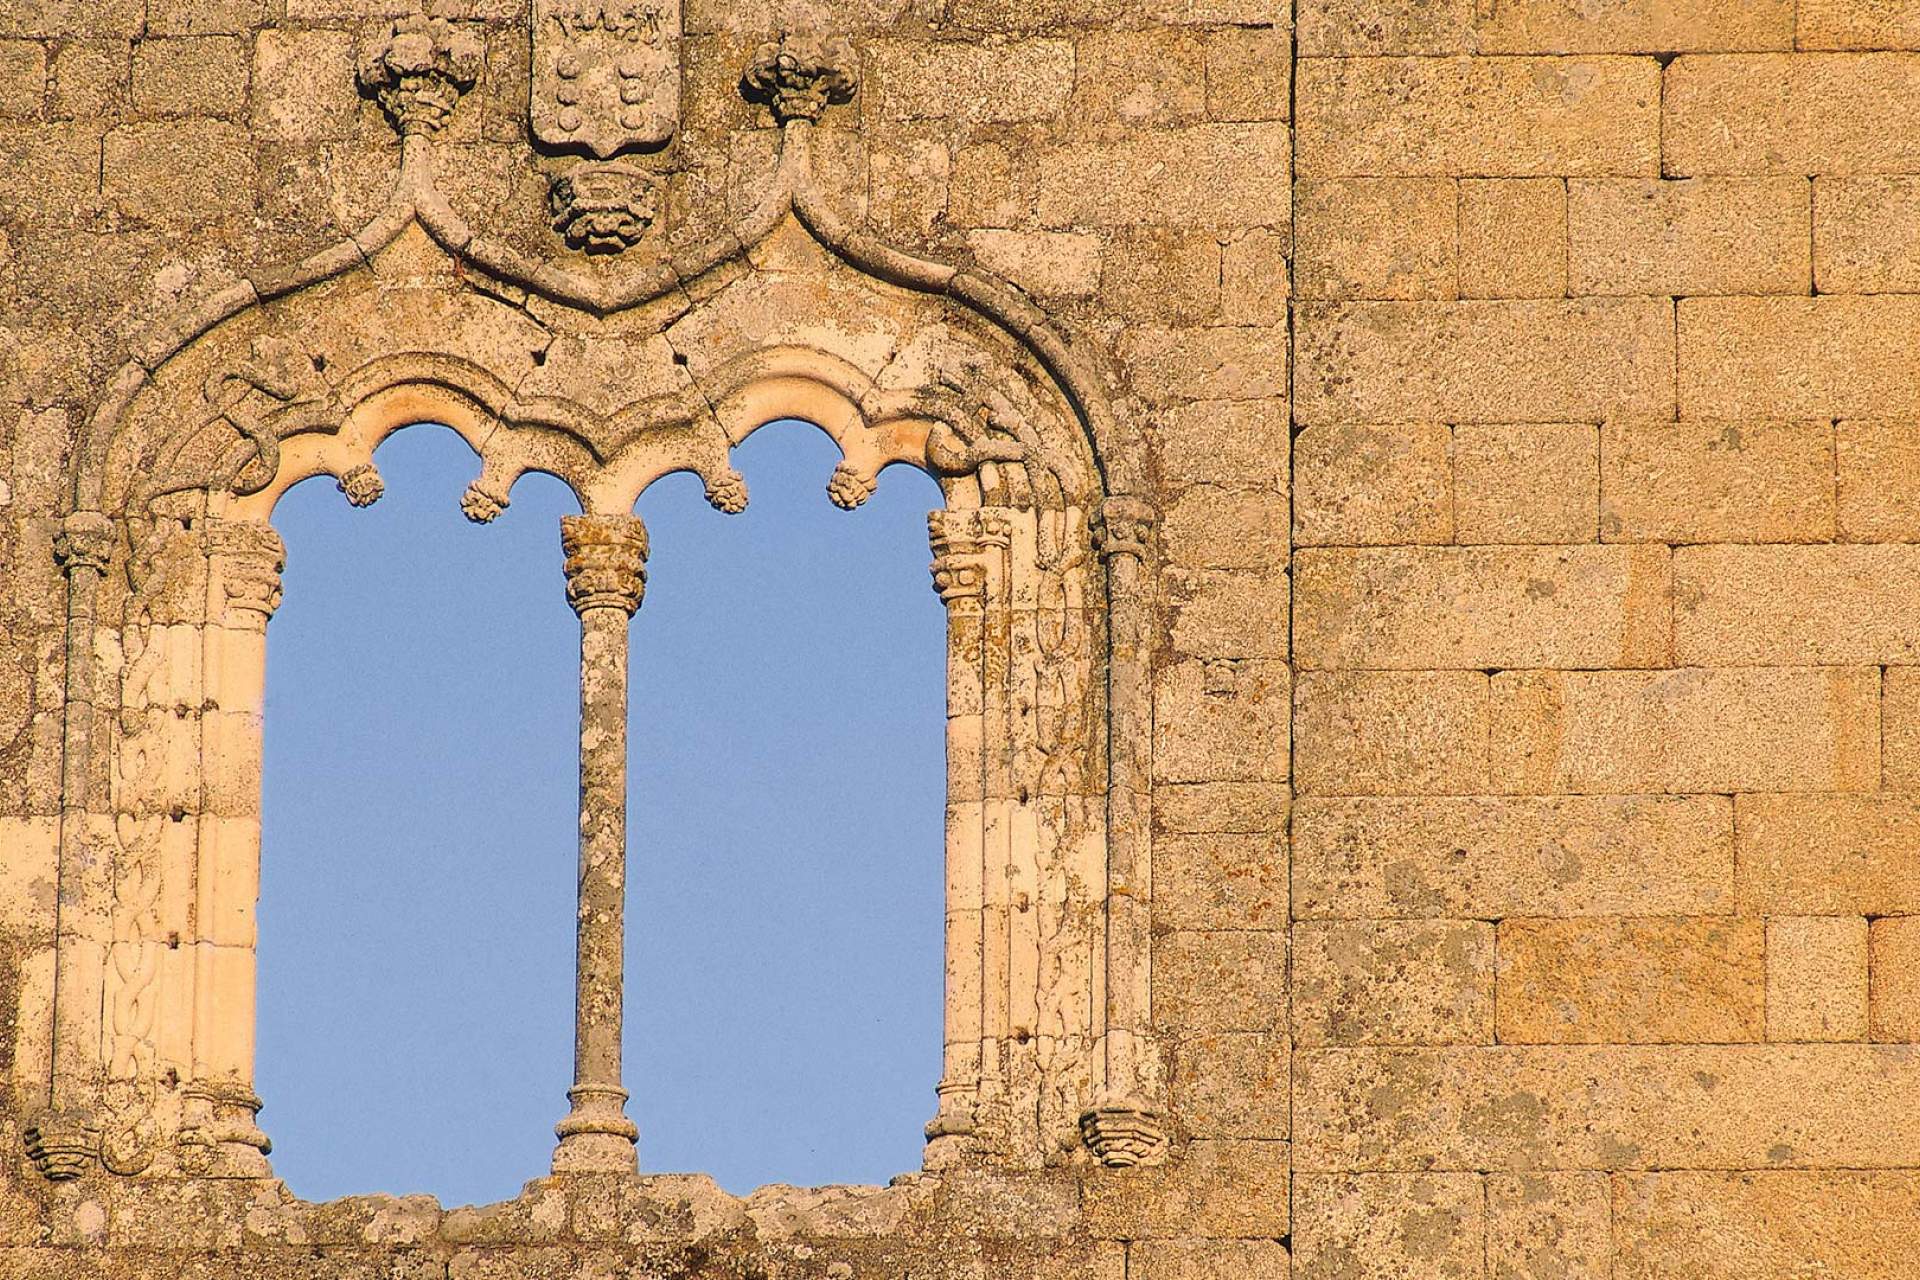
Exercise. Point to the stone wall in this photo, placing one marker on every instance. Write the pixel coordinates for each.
(1526, 393)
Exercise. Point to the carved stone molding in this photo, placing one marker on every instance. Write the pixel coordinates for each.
(418, 71)
(604, 208)
(85, 542)
(606, 562)
(799, 76)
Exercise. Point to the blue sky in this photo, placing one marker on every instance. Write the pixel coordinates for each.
(784, 831)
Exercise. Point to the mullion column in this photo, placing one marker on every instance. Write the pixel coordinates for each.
(606, 559)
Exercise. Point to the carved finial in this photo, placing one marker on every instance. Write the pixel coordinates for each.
(606, 562)
(1125, 528)
(847, 488)
(728, 493)
(419, 70)
(482, 505)
(604, 208)
(85, 541)
(798, 76)
(363, 485)
(1122, 1135)
(61, 1144)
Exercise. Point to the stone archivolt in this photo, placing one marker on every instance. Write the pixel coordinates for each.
(608, 381)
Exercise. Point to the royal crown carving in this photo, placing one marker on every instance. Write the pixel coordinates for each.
(604, 208)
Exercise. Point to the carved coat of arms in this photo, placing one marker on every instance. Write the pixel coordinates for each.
(606, 75)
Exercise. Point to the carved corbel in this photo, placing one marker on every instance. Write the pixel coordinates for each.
(799, 76)
(363, 485)
(418, 71)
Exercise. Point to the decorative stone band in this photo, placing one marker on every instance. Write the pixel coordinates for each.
(606, 562)
(798, 76)
(418, 71)
(1125, 528)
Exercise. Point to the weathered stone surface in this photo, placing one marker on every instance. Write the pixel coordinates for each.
(1484, 361)
(1217, 1190)
(1687, 730)
(1546, 26)
(1829, 855)
(1525, 482)
(1549, 1226)
(1719, 1226)
(1492, 117)
(1393, 982)
(1482, 607)
(1212, 175)
(1362, 485)
(1650, 980)
(1826, 357)
(1698, 236)
(1708, 481)
(1816, 978)
(1232, 1084)
(1220, 880)
(1372, 1226)
(1232, 980)
(1376, 238)
(1391, 732)
(1217, 721)
(1616, 1107)
(1821, 113)
(1878, 481)
(1513, 237)
(1853, 604)
(1894, 960)
(1496, 857)
(1863, 235)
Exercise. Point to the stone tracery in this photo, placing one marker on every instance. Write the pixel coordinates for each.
(1047, 581)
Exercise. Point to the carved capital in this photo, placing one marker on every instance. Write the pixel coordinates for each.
(85, 541)
(606, 562)
(62, 1144)
(418, 71)
(604, 208)
(1122, 1135)
(799, 76)
(1125, 528)
(249, 556)
(363, 485)
(961, 542)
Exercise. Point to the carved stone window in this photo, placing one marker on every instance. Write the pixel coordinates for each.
(607, 379)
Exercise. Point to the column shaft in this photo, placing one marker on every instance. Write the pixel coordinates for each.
(606, 577)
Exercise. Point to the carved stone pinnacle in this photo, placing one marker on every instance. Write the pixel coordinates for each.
(604, 208)
(418, 71)
(799, 76)
(606, 561)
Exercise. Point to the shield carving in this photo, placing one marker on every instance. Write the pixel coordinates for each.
(606, 75)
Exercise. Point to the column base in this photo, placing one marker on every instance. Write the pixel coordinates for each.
(221, 1138)
(597, 1136)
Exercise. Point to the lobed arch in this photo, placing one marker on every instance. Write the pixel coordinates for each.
(1042, 555)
